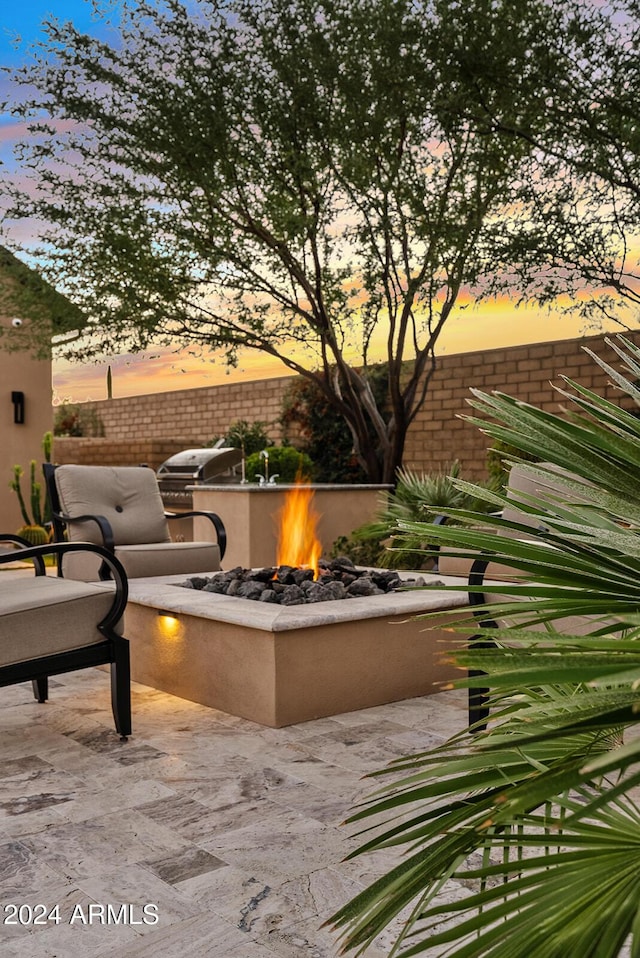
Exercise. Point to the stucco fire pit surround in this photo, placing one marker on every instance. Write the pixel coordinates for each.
(280, 665)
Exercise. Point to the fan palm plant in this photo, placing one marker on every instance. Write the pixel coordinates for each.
(537, 811)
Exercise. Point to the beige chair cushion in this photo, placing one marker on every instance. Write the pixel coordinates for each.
(44, 615)
(519, 482)
(127, 496)
(157, 558)
(461, 566)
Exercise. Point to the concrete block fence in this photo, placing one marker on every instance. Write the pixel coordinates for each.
(150, 428)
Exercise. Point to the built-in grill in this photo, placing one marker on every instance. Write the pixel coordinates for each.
(193, 467)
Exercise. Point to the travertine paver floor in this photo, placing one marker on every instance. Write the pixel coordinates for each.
(231, 831)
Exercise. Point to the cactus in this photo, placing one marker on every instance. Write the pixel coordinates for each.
(36, 490)
(40, 514)
(35, 534)
(47, 445)
(18, 473)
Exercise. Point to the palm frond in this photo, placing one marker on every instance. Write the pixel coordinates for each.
(531, 824)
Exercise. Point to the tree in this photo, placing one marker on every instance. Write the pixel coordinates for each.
(537, 815)
(581, 117)
(298, 177)
(291, 177)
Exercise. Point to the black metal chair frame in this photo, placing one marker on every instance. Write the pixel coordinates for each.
(478, 696)
(478, 707)
(60, 520)
(114, 651)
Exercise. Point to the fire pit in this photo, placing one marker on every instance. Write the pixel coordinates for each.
(278, 665)
(282, 663)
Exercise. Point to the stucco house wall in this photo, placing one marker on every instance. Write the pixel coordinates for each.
(21, 442)
(22, 373)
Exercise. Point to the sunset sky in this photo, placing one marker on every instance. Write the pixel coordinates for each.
(487, 326)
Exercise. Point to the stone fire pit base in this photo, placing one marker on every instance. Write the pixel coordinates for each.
(281, 665)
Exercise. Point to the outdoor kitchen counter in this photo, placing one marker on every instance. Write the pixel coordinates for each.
(250, 515)
(279, 665)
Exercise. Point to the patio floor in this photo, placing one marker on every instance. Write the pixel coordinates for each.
(230, 829)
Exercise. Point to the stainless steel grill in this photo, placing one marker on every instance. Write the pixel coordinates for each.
(193, 467)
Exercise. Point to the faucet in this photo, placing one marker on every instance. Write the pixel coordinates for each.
(265, 455)
(263, 481)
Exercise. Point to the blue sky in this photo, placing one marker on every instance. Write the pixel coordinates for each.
(22, 21)
(21, 26)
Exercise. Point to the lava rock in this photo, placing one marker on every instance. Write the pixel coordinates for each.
(217, 586)
(340, 563)
(417, 583)
(347, 578)
(197, 582)
(266, 574)
(268, 595)
(250, 590)
(302, 575)
(386, 580)
(339, 579)
(317, 592)
(284, 574)
(363, 586)
(337, 590)
(292, 595)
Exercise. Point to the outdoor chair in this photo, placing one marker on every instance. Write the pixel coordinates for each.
(120, 508)
(480, 567)
(49, 625)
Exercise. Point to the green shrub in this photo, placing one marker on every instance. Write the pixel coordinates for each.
(80, 419)
(285, 462)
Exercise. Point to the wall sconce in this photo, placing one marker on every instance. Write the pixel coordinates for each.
(17, 398)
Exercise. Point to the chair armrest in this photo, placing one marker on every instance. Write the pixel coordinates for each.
(434, 550)
(36, 553)
(38, 561)
(215, 519)
(476, 578)
(102, 522)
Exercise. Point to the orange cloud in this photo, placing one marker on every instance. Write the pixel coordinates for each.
(486, 326)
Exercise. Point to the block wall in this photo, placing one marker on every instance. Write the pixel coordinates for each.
(439, 435)
(194, 415)
(150, 428)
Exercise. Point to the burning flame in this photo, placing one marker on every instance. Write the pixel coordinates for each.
(298, 544)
